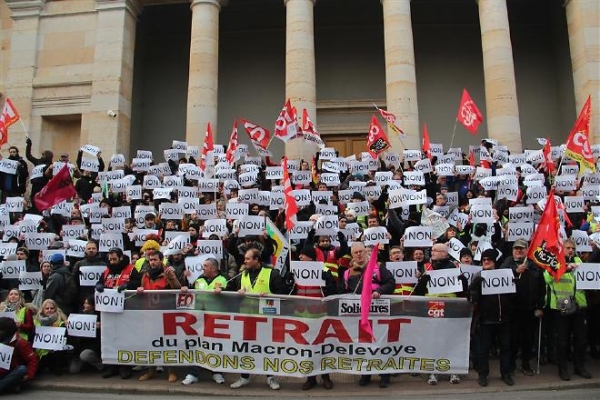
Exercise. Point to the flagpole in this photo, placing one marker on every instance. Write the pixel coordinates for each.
(453, 132)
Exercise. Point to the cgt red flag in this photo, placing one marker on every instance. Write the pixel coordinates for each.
(578, 143)
(231, 154)
(468, 113)
(9, 116)
(286, 126)
(546, 248)
(209, 145)
(291, 208)
(547, 150)
(260, 137)
(377, 141)
(58, 189)
(426, 142)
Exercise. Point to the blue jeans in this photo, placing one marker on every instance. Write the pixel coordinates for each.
(13, 379)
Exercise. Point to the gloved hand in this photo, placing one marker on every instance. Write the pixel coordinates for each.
(340, 236)
(28, 142)
(122, 287)
(99, 287)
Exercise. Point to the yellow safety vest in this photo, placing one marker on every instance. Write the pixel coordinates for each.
(208, 301)
(249, 305)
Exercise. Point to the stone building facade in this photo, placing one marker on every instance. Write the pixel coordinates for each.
(167, 67)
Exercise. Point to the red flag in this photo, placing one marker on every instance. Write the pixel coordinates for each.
(426, 143)
(209, 145)
(377, 141)
(546, 248)
(548, 157)
(578, 143)
(259, 136)
(468, 113)
(391, 120)
(9, 116)
(59, 188)
(309, 130)
(471, 158)
(291, 208)
(231, 154)
(286, 126)
(367, 292)
(313, 170)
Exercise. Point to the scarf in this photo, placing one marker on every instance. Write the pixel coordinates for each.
(49, 320)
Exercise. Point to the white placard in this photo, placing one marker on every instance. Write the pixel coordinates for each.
(9, 166)
(404, 272)
(498, 281)
(251, 225)
(587, 276)
(481, 214)
(308, 273)
(30, 280)
(39, 241)
(237, 210)
(574, 204)
(207, 211)
(444, 281)
(519, 230)
(6, 353)
(521, 214)
(214, 247)
(76, 248)
(326, 225)
(215, 227)
(414, 178)
(454, 248)
(418, 236)
(582, 240)
(302, 197)
(12, 269)
(360, 208)
(110, 240)
(82, 325)
(110, 300)
(90, 275)
(469, 271)
(300, 230)
(376, 235)
(49, 338)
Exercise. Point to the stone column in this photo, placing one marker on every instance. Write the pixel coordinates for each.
(584, 39)
(502, 110)
(23, 62)
(203, 84)
(300, 75)
(112, 82)
(400, 75)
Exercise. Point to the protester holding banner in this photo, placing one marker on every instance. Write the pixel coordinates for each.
(256, 279)
(24, 362)
(492, 322)
(531, 292)
(24, 312)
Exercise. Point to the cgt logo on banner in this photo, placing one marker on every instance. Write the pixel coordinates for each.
(406, 335)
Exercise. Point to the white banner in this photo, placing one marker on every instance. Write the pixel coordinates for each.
(454, 248)
(498, 281)
(308, 273)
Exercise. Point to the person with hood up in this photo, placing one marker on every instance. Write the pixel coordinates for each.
(58, 281)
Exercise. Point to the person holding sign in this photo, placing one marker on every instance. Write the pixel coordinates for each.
(23, 363)
(14, 185)
(75, 293)
(15, 303)
(50, 315)
(383, 283)
(87, 349)
(256, 279)
(491, 321)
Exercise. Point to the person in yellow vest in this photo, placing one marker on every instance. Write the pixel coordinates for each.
(256, 278)
(313, 309)
(567, 307)
(50, 315)
(210, 281)
(23, 312)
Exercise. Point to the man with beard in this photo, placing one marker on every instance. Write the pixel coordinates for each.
(121, 275)
(13, 185)
(76, 294)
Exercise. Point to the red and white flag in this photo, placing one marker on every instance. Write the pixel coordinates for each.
(309, 130)
(468, 113)
(231, 155)
(546, 248)
(9, 116)
(260, 137)
(286, 126)
(291, 208)
(391, 120)
(578, 143)
(426, 142)
(471, 158)
(207, 149)
(549, 163)
(59, 188)
(377, 141)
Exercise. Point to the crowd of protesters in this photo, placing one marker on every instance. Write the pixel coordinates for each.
(506, 324)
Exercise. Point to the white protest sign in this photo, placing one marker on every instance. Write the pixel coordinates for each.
(236, 210)
(330, 179)
(498, 281)
(454, 248)
(444, 281)
(469, 271)
(574, 203)
(110, 300)
(15, 204)
(214, 247)
(361, 208)
(414, 178)
(90, 275)
(582, 240)
(206, 211)
(177, 244)
(326, 225)
(215, 227)
(110, 240)
(39, 241)
(520, 230)
(30, 280)
(587, 276)
(521, 214)
(12, 269)
(49, 338)
(7, 249)
(82, 325)
(300, 230)
(251, 225)
(418, 236)
(376, 235)
(404, 272)
(308, 273)
(9, 166)
(482, 214)
(76, 248)
(6, 353)
(302, 197)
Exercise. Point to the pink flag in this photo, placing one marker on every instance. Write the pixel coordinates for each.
(367, 292)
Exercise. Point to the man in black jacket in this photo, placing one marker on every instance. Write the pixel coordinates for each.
(13, 185)
(57, 282)
(531, 292)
